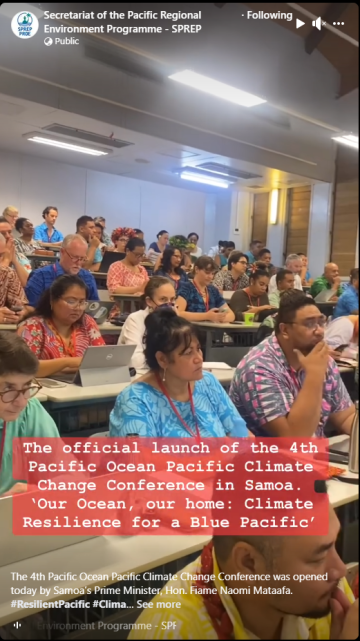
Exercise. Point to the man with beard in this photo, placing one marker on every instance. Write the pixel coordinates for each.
(248, 587)
(289, 385)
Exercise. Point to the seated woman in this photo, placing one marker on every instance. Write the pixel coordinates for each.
(221, 260)
(198, 300)
(120, 237)
(159, 292)
(175, 398)
(235, 276)
(170, 267)
(58, 332)
(24, 243)
(127, 276)
(193, 239)
(157, 248)
(253, 298)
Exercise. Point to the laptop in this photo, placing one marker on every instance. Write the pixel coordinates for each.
(103, 365)
(324, 296)
(99, 310)
(341, 447)
(17, 548)
(108, 259)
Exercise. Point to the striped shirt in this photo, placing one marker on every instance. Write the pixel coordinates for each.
(265, 387)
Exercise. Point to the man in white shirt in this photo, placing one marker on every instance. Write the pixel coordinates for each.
(294, 264)
(342, 331)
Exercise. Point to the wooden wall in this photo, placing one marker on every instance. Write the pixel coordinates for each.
(297, 226)
(260, 217)
(345, 210)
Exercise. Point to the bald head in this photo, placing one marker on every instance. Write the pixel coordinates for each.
(331, 272)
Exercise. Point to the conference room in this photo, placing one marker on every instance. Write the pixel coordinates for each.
(178, 257)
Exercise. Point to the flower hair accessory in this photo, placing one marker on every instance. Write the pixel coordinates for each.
(122, 231)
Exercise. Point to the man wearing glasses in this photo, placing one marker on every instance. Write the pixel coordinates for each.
(289, 385)
(20, 413)
(72, 258)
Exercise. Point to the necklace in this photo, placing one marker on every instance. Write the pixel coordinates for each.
(204, 295)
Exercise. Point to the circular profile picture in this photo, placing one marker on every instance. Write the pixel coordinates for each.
(48, 42)
(24, 25)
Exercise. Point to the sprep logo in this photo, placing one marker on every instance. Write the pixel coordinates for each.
(24, 24)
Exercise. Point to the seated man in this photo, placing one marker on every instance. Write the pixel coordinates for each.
(85, 227)
(218, 606)
(330, 280)
(289, 385)
(293, 263)
(72, 257)
(343, 331)
(285, 280)
(348, 303)
(20, 413)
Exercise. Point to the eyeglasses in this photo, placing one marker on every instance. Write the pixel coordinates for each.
(312, 323)
(243, 262)
(138, 255)
(28, 392)
(76, 259)
(74, 302)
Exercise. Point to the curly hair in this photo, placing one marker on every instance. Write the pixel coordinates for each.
(122, 231)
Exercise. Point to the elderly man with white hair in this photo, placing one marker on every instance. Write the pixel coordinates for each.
(72, 257)
(294, 264)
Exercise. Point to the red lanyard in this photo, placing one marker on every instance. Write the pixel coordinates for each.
(206, 299)
(2, 444)
(188, 429)
(249, 297)
(69, 350)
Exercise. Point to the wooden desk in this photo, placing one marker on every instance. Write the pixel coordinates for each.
(106, 554)
(37, 258)
(6, 327)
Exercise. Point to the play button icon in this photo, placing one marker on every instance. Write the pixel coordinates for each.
(299, 23)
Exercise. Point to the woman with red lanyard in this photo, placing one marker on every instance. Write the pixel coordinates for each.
(233, 277)
(199, 300)
(59, 332)
(170, 267)
(252, 299)
(175, 398)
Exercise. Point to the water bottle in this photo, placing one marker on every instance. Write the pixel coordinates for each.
(354, 443)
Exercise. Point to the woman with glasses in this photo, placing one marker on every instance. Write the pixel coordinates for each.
(170, 267)
(120, 237)
(59, 332)
(20, 413)
(252, 299)
(234, 277)
(175, 398)
(159, 293)
(127, 276)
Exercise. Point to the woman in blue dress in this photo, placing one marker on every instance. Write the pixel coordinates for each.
(170, 267)
(175, 398)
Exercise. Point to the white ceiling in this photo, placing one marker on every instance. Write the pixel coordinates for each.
(19, 117)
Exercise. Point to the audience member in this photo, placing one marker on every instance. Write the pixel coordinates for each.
(58, 332)
(213, 602)
(330, 280)
(234, 277)
(99, 233)
(289, 385)
(221, 260)
(120, 238)
(20, 413)
(9, 257)
(264, 256)
(305, 274)
(127, 276)
(159, 292)
(24, 243)
(342, 331)
(285, 280)
(175, 398)
(157, 248)
(12, 294)
(198, 300)
(11, 214)
(170, 267)
(255, 248)
(193, 238)
(99, 220)
(217, 249)
(348, 303)
(85, 227)
(72, 257)
(46, 233)
(139, 234)
(294, 264)
(253, 299)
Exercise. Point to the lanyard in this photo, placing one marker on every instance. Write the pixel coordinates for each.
(206, 298)
(249, 297)
(2, 444)
(188, 429)
(69, 350)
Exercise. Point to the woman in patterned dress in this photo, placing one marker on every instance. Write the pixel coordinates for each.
(58, 331)
(127, 276)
